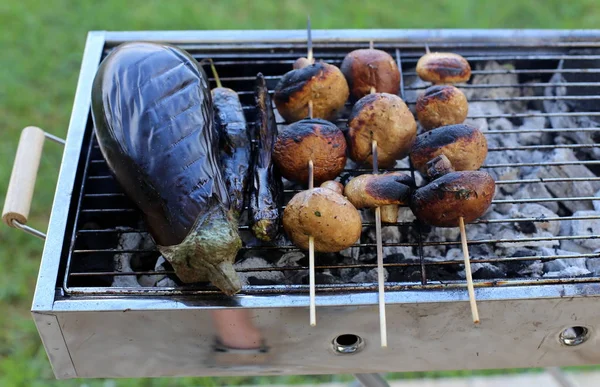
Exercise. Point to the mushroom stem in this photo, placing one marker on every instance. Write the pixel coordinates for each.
(380, 277)
(311, 257)
(463, 239)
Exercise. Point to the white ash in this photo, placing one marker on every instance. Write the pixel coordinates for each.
(578, 189)
(290, 259)
(123, 262)
(593, 265)
(534, 137)
(496, 79)
(596, 203)
(563, 106)
(582, 227)
(570, 271)
(535, 270)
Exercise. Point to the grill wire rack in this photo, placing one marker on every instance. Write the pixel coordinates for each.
(102, 212)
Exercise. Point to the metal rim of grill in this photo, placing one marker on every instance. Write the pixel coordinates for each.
(280, 56)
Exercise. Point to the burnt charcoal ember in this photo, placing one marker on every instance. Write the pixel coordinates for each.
(497, 77)
(124, 263)
(321, 278)
(160, 280)
(292, 258)
(369, 276)
(485, 271)
(535, 270)
(406, 273)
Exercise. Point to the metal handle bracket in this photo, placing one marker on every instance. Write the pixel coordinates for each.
(22, 179)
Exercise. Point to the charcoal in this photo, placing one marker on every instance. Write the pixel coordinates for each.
(127, 241)
(290, 259)
(534, 210)
(570, 271)
(535, 269)
(496, 79)
(256, 262)
(562, 264)
(261, 281)
(454, 255)
(582, 227)
(593, 265)
(535, 191)
(154, 280)
(351, 252)
(369, 277)
(562, 106)
(583, 188)
(535, 123)
(485, 271)
(596, 203)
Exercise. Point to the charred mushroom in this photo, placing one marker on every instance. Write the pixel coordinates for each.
(441, 106)
(321, 83)
(464, 145)
(443, 67)
(310, 139)
(443, 201)
(368, 191)
(365, 69)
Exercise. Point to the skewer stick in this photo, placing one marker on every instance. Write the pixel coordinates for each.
(311, 257)
(371, 44)
(427, 51)
(309, 48)
(311, 239)
(380, 276)
(463, 239)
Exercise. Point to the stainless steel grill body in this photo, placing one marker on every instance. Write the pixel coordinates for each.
(93, 330)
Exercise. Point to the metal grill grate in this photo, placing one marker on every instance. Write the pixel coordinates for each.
(103, 213)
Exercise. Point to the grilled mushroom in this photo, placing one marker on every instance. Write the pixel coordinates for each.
(321, 83)
(440, 106)
(465, 146)
(327, 216)
(443, 201)
(379, 190)
(310, 139)
(443, 67)
(385, 118)
(333, 185)
(365, 69)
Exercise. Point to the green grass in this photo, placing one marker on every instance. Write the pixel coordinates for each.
(41, 47)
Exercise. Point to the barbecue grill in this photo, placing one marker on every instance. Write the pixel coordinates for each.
(93, 327)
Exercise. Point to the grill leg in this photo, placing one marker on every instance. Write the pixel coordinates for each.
(371, 380)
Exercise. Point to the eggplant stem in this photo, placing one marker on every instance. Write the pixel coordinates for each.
(214, 72)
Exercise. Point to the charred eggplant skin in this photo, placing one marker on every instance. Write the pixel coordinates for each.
(153, 116)
(267, 188)
(234, 143)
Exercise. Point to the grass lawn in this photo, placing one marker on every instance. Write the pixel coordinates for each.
(42, 44)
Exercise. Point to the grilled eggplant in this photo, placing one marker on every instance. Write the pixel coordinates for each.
(234, 145)
(153, 115)
(267, 189)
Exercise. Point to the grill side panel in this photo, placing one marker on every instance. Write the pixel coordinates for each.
(436, 336)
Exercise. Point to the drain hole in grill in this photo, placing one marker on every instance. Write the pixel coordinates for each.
(574, 336)
(347, 344)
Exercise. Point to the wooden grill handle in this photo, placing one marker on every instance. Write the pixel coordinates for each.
(24, 174)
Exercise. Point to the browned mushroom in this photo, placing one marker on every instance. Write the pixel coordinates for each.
(441, 106)
(333, 185)
(322, 83)
(310, 139)
(465, 146)
(385, 118)
(443, 67)
(365, 69)
(442, 202)
(369, 191)
(327, 216)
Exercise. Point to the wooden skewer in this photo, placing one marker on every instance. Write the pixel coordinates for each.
(311, 257)
(465, 248)
(371, 44)
(309, 48)
(380, 275)
(427, 51)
